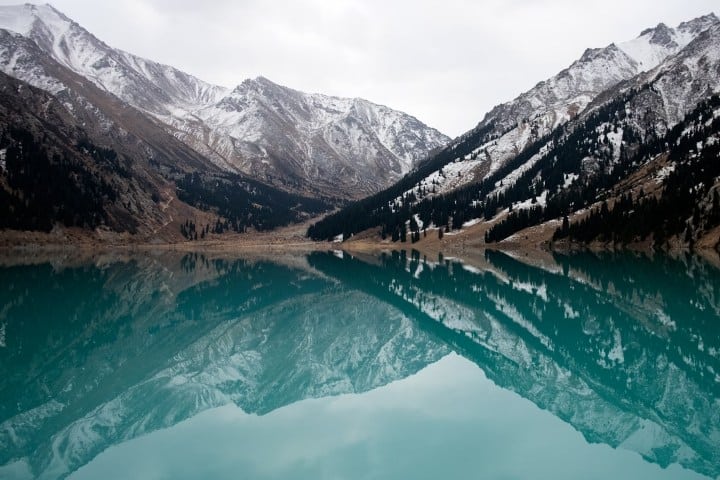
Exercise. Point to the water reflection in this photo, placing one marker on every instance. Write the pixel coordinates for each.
(624, 348)
(97, 356)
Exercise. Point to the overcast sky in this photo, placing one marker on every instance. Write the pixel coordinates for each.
(446, 62)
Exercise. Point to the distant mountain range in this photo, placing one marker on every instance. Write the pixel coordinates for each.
(305, 142)
(630, 125)
(197, 155)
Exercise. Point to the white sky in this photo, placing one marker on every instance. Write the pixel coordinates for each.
(446, 62)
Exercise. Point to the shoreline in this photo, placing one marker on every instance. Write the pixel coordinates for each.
(534, 242)
(458, 245)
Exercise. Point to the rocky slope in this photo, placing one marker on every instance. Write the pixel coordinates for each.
(135, 178)
(308, 141)
(82, 158)
(511, 127)
(300, 142)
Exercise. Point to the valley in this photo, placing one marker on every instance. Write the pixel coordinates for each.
(101, 147)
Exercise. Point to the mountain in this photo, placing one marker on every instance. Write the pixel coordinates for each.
(299, 140)
(599, 131)
(511, 127)
(158, 88)
(306, 143)
(73, 155)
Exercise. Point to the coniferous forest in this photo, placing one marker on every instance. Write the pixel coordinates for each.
(243, 203)
(44, 188)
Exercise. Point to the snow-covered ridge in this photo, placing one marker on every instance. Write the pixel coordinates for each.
(145, 84)
(306, 142)
(510, 128)
(654, 45)
(344, 124)
(516, 124)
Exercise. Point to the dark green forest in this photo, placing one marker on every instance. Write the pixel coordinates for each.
(242, 203)
(44, 187)
(689, 203)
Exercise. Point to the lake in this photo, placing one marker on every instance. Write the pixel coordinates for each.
(333, 366)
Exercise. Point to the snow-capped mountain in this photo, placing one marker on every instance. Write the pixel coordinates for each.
(75, 155)
(510, 127)
(599, 131)
(301, 142)
(289, 137)
(155, 88)
(688, 77)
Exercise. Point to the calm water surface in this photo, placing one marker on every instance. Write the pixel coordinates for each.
(332, 367)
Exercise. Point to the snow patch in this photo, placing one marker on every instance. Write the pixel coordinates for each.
(471, 269)
(665, 320)
(540, 201)
(664, 172)
(540, 291)
(451, 176)
(570, 312)
(616, 354)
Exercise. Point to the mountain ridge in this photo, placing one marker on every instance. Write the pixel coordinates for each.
(356, 153)
(559, 148)
(147, 165)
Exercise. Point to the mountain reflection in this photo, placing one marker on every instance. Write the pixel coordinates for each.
(624, 348)
(99, 355)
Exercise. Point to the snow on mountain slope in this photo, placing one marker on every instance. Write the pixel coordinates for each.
(337, 145)
(309, 143)
(654, 45)
(155, 88)
(688, 77)
(511, 127)
(18, 58)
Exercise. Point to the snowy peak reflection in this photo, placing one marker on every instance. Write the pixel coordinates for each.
(623, 347)
(100, 354)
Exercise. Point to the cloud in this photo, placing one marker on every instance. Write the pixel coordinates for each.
(446, 62)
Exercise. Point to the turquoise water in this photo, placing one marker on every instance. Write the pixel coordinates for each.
(331, 366)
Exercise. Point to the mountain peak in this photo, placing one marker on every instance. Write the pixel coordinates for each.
(663, 35)
(258, 84)
(656, 44)
(264, 80)
(23, 18)
(699, 24)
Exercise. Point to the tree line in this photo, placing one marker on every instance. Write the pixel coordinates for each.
(241, 203)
